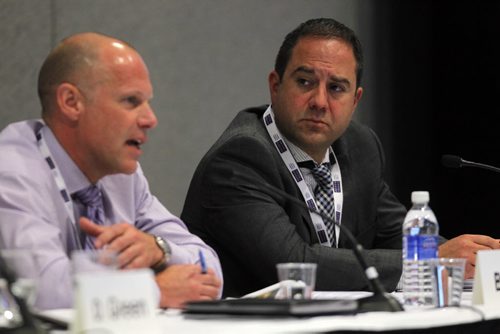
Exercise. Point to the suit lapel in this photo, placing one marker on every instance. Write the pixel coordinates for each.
(348, 183)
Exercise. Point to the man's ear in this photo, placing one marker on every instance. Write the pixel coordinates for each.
(357, 97)
(274, 83)
(69, 100)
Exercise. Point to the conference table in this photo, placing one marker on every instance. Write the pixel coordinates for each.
(467, 318)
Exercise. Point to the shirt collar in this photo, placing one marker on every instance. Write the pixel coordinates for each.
(300, 156)
(72, 175)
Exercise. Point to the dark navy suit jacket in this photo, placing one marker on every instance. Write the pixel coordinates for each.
(252, 231)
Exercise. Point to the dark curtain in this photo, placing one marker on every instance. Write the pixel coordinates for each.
(439, 60)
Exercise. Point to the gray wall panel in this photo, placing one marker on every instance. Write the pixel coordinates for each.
(207, 60)
(25, 40)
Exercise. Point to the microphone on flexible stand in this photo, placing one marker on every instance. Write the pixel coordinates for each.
(380, 301)
(453, 161)
(29, 323)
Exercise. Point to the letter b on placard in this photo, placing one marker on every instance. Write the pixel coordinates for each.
(487, 278)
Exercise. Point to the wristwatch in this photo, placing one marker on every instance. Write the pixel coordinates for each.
(167, 253)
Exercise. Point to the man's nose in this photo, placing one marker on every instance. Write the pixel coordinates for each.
(147, 118)
(319, 99)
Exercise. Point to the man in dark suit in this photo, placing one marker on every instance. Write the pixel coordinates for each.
(306, 132)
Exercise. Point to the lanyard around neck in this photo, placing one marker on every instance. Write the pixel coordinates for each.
(297, 176)
(56, 174)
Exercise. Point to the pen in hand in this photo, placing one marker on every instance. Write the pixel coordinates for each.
(203, 264)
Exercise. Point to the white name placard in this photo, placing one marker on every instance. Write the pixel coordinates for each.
(486, 288)
(116, 302)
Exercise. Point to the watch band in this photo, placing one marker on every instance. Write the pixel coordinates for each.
(165, 248)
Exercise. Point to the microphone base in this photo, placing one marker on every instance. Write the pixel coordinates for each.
(379, 303)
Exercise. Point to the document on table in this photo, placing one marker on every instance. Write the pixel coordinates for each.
(343, 295)
(272, 290)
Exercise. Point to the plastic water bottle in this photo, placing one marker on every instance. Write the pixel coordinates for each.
(420, 244)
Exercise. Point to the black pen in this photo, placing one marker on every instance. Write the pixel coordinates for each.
(202, 262)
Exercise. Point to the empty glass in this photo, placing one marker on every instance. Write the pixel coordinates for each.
(448, 281)
(297, 280)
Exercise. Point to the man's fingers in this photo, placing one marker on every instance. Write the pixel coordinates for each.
(209, 279)
(89, 227)
(484, 240)
(211, 287)
(110, 233)
(209, 291)
(133, 258)
(469, 271)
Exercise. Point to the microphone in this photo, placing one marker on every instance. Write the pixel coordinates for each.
(380, 301)
(453, 161)
(29, 323)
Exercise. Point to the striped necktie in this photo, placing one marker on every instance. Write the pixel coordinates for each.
(91, 198)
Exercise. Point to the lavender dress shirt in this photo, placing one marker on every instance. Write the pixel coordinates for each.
(33, 215)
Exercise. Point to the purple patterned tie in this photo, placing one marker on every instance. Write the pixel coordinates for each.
(91, 198)
(324, 196)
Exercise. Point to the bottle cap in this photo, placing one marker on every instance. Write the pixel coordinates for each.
(420, 197)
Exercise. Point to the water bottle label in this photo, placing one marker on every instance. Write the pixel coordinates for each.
(421, 247)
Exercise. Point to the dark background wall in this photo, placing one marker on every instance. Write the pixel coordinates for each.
(438, 70)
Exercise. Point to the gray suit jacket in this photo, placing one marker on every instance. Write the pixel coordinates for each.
(252, 231)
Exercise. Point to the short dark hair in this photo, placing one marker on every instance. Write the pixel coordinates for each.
(321, 28)
(62, 65)
(73, 60)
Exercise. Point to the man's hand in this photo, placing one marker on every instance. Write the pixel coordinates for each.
(466, 246)
(182, 283)
(135, 248)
